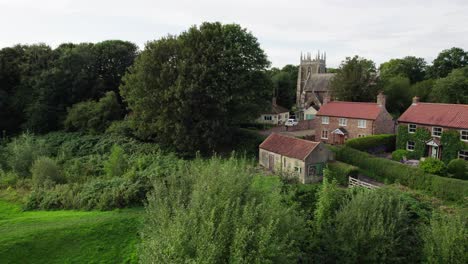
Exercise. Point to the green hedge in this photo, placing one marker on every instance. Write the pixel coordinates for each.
(340, 172)
(390, 172)
(373, 144)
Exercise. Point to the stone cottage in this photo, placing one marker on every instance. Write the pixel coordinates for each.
(338, 121)
(293, 156)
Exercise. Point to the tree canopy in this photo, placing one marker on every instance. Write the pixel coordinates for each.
(187, 92)
(448, 60)
(409, 67)
(453, 88)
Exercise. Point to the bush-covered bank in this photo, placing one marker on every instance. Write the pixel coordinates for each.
(390, 171)
(374, 143)
(341, 171)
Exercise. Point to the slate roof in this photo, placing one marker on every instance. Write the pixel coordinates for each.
(319, 82)
(289, 146)
(444, 115)
(359, 110)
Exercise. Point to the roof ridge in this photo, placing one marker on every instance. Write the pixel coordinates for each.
(293, 137)
(353, 102)
(439, 104)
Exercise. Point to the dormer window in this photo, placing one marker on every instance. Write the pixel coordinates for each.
(411, 128)
(436, 131)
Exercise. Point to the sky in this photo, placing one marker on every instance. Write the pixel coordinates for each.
(374, 29)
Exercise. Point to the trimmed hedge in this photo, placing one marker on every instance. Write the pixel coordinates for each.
(373, 144)
(340, 172)
(390, 172)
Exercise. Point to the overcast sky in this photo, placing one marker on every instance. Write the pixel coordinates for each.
(375, 29)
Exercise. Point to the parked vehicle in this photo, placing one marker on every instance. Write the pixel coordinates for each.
(291, 122)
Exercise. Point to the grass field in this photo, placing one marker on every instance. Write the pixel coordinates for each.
(68, 236)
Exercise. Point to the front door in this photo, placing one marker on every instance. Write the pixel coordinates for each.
(271, 162)
(435, 152)
(339, 139)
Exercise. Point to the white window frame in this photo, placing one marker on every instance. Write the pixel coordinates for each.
(342, 121)
(412, 130)
(407, 145)
(466, 135)
(326, 133)
(360, 122)
(267, 118)
(435, 135)
(463, 154)
(325, 120)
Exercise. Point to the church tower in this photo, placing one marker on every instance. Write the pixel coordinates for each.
(308, 67)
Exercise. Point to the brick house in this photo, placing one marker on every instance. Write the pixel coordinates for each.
(422, 126)
(294, 156)
(275, 115)
(338, 121)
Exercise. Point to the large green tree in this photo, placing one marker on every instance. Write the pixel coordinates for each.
(284, 84)
(410, 67)
(398, 92)
(448, 60)
(355, 80)
(453, 88)
(189, 91)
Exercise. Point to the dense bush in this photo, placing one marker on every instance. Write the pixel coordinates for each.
(116, 164)
(374, 143)
(458, 168)
(193, 217)
(400, 154)
(433, 166)
(22, 151)
(340, 172)
(45, 172)
(390, 171)
(91, 116)
(446, 240)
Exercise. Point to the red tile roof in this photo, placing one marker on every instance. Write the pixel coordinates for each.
(444, 115)
(289, 146)
(350, 110)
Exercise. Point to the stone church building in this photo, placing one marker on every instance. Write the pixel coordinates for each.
(313, 83)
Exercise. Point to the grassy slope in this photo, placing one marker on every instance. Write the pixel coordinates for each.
(68, 236)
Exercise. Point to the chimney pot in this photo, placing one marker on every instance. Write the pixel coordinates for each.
(415, 100)
(381, 99)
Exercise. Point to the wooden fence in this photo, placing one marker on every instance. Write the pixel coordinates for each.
(352, 182)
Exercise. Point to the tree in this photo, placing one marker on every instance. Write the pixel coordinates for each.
(397, 90)
(447, 61)
(422, 89)
(453, 88)
(410, 67)
(355, 80)
(188, 92)
(284, 83)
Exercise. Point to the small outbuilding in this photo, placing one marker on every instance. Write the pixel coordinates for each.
(276, 115)
(293, 156)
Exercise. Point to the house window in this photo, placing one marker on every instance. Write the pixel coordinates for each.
(267, 117)
(463, 154)
(411, 128)
(436, 131)
(325, 120)
(361, 135)
(298, 169)
(343, 121)
(361, 123)
(410, 145)
(324, 134)
(464, 135)
(312, 171)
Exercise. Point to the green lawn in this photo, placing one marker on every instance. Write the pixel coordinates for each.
(68, 236)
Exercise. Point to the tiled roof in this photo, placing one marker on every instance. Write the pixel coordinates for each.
(289, 146)
(350, 110)
(444, 115)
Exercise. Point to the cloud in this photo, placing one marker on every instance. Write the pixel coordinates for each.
(377, 30)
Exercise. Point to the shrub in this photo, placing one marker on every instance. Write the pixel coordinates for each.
(116, 165)
(458, 168)
(385, 170)
(46, 172)
(7, 179)
(93, 116)
(340, 172)
(374, 143)
(433, 166)
(23, 151)
(399, 154)
(446, 239)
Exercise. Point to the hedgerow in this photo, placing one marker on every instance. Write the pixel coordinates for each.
(374, 143)
(392, 172)
(341, 171)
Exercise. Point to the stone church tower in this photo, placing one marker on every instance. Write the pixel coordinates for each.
(312, 81)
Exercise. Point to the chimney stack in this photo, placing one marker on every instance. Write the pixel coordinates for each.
(273, 101)
(415, 100)
(381, 99)
(326, 99)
